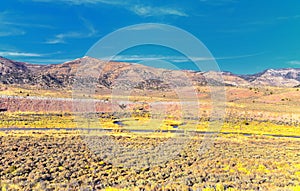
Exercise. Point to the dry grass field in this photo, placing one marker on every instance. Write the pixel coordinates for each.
(60, 160)
(257, 147)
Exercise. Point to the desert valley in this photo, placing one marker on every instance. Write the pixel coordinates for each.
(51, 139)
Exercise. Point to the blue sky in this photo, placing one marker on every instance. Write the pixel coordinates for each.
(244, 36)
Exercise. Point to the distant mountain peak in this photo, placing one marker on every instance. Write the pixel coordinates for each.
(139, 76)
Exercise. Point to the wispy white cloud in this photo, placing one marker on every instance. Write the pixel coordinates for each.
(22, 24)
(218, 2)
(271, 21)
(176, 59)
(294, 62)
(19, 54)
(156, 11)
(80, 2)
(145, 27)
(288, 17)
(257, 25)
(131, 5)
(239, 30)
(33, 58)
(61, 38)
(13, 25)
(47, 60)
(55, 41)
(239, 56)
(90, 27)
(6, 29)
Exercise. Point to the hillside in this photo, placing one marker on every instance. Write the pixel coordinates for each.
(128, 76)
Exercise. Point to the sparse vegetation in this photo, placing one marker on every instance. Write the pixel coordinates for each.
(245, 157)
(61, 160)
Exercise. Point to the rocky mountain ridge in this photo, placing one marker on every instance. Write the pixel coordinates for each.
(127, 75)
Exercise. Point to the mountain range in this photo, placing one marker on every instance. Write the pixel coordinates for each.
(129, 75)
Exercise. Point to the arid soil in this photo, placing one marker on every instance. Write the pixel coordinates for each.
(58, 160)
